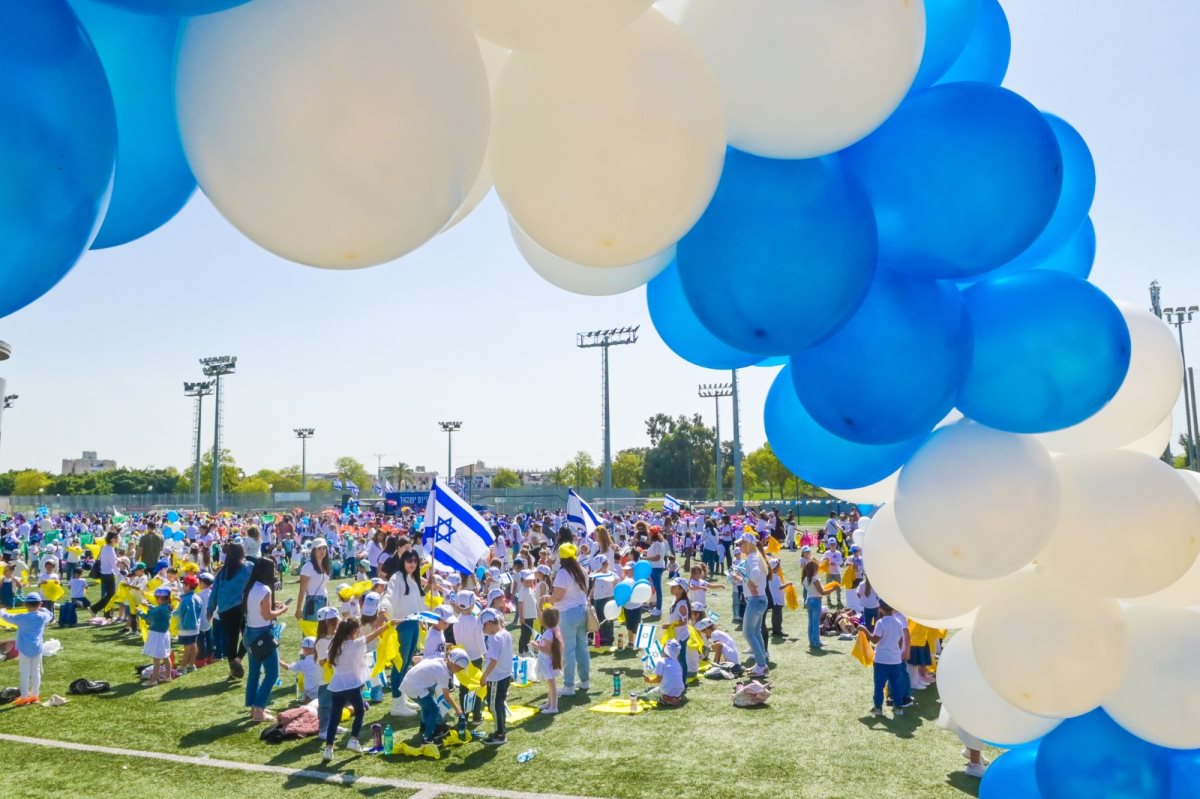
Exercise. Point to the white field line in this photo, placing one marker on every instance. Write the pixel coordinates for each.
(425, 790)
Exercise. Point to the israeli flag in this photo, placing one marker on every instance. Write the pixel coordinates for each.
(580, 513)
(461, 538)
(671, 504)
(387, 484)
(646, 634)
(378, 488)
(337, 484)
(351, 487)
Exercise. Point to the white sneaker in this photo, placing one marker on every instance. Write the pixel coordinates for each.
(353, 745)
(402, 708)
(976, 770)
(982, 757)
(342, 730)
(585, 686)
(327, 755)
(567, 690)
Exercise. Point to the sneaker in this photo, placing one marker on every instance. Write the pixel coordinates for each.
(984, 759)
(402, 708)
(24, 700)
(549, 711)
(327, 755)
(342, 730)
(567, 690)
(899, 711)
(354, 745)
(585, 686)
(976, 770)
(430, 741)
(495, 740)
(908, 703)
(876, 712)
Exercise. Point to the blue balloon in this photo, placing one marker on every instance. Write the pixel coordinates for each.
(912, 335)
(1078, 190)
(622, 592)
(774, 360)
(818, 456)
(153, 178)
(984, 59)
(1092, 757)
(801, 232)
(1185, 774)
(1012, 775)
(963, 178)
(480, 572)
(174, 8)
(172, 516)
(58, 145)
(1050, 350)
(642, 570)
(177, 535)
(948, 26)
(680, 330)
(1074, 258)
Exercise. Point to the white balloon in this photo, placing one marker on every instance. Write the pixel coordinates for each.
(907, 582)
(1184, 592)
(1155, 442)
(338, 135)
(641, 593)
(875, 494)
(549, 24)
(975, 706)
(611, 610)
(607, 154)
(1129, 525)
(957, 623)
(493, 59)
(864, 524)
(590, 280)
(1047, 649)
(672, 9)
(1158, 699)
(976, 502)
(804, 78)
(1148, 394)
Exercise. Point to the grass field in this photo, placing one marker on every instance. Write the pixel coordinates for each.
(814, 739)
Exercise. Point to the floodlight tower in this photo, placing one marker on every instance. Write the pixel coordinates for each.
(304, 434)
(605, 339)
(217, 368)
(716, 391)
(199, 391)
(450, 428)
(1179, 317)
(738, 496)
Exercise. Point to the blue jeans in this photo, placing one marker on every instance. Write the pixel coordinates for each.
(431, 714)
(573, 625)
(324, 709)
(868, 618)
(656, 580)
(813, 606)
(263, 673)
(756, 609)
(407, 631)
(890, 674)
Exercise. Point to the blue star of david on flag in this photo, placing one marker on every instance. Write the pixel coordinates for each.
(439, 536)
(461, 538)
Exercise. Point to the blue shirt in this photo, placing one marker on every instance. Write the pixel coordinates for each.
(228, 589)
(30, 627)
(189, 611)
(158, 617)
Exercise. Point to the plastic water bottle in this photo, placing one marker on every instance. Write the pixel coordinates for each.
(616, 684)
(527, 755)
(388, 740)
(633, 702)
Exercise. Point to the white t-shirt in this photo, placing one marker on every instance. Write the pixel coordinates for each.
(254, 617)
(108, 559)
(814, 587)
(891, 640)
(573, 596)
(654, 554)
(78, 588)
(775, 586)
(527, 602)
(435, 643)
(679, 616)
(317, 580)
(500, 649)
(698, 592)
(430, 674)
(404, 605)
(323, 654)
(672, 676)
(350, 670)
(868, 601)
(729, 649)
(755, 574)
(603, 587)
(468, 633)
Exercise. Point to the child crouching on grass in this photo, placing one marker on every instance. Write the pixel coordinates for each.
(31, 628)
(158, 639)
(307, 668)
(668, 675)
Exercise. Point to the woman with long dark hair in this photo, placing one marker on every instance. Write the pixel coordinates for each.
(314, 580)
(656, 554)
(260, 612)
(347, 656)
(406, 598)
(570, 597)
(226, 600)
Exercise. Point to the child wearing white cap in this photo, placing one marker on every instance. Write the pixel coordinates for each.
(437, 621)
(327, 622)
(528, 601)
(306, 667)
(497, 670)
(428, 680)
(723, 649)
(668, 674)
(31, 627)
(468, 633)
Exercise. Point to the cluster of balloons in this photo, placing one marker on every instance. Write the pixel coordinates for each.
(637, 591)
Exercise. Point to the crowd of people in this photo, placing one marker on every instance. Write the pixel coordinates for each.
(213, 587)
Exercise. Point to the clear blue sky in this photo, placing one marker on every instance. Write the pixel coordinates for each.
(462, 329)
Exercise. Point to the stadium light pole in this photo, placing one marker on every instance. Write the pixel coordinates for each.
(199, 391)
(216, 368)
(716, 391)
(1179, 317)
(604, 339)
(7, 402)
(450, 428)
(738, 496)
(304, 434)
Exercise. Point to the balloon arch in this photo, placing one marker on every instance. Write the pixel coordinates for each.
(856, 163)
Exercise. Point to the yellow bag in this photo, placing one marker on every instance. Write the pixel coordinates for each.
(863, 651)
(790, 598)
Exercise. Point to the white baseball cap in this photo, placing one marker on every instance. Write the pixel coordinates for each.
(370, 604)
(458, 657)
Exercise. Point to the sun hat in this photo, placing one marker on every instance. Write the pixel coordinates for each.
(458, 657)
(308, 642)
(543, 569)
(370, 603)
(490, 615)
(671, 649)
(748, 537)
(703, 624)
(326, 613)
(445, 613)
(494, 594)
(190, 580)
(32, 597)
(139, 565)
(317, 543)
(162, 590)
(465, 600)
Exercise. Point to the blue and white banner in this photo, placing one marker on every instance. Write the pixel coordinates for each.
(378, 488)
(351, 487)
(671, 504)
(580, 514)
(461, 538)
(388, 487)
(337, 484)
(646, 635)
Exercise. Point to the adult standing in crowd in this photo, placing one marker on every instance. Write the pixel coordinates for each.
(570, 598)
(755, 590)
(150, 546)
(107, 565)
(314, 582)
(226, 600)
(258, 605)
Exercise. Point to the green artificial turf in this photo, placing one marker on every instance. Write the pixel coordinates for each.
(814, 739)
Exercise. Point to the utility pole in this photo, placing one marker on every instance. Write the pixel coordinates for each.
(450, 428)
(304, 434)
(738, 496)
(604, 339)
(379, 471)
(217, 368)
(199, 391)
(716, 391)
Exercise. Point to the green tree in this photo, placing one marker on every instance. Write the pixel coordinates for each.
(681, 452)
(506, 478)
(231, 475)
(581, 471)
(29, 482)
(556, 477)
(350, 469)
(627, 468)
(252, 485)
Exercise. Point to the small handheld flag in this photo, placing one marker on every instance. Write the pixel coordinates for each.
(671, 504)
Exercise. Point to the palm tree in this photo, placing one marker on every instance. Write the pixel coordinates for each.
(556, 477)
(401, 472)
